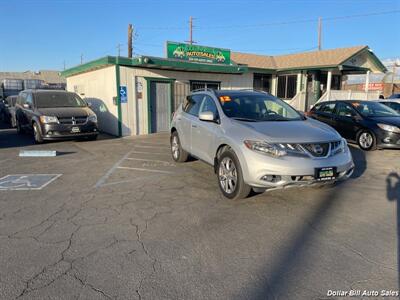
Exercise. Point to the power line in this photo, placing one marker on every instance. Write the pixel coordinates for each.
(285, 22)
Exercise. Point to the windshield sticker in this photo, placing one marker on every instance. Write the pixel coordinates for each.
(224, 99)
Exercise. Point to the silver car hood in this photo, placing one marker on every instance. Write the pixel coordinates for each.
(302, 131)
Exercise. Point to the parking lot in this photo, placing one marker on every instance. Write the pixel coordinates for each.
(118, 219)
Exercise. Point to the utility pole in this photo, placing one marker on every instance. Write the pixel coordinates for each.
(190, 41)
(130, 41)
(81, 58)
(64, 64)
(319, 33)
(394, 74)
(119, 49)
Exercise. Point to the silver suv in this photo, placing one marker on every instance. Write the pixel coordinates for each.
(257, 141)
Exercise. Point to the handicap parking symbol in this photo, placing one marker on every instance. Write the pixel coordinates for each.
(27, 181)
(122, 94)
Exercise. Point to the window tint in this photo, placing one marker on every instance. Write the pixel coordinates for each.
(58, 99)
(328, 108)
(192, 104)
(257, 107)
(28, 99)
(209, 105)
(344, 110)
(393, 105)
(316, 107)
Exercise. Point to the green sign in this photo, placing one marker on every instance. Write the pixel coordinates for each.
(198, 53)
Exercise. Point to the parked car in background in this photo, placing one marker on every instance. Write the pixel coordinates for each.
(368, 123)
(11, 101)
(392, 103)
(3, 110)
(394, 96)
(257, 141)
(54, 114)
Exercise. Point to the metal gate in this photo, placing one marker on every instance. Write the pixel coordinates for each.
(159, 106)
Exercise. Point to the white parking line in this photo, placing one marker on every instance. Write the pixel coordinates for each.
(142, 152)
(152, 160)
(103, 179)
(145, 146)
(148, 170)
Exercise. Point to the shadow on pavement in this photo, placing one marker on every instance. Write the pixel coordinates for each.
(359, 159)
(287, 265)
(9, 138)
(393, 194)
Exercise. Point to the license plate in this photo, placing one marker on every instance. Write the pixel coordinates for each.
(328, 173)
(75, 129)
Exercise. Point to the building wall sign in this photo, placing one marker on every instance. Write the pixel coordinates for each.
(197, 53)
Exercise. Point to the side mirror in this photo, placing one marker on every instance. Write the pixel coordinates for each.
(207, 116)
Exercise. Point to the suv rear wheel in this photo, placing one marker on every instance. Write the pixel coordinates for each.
(230, 176)
(19, 128)
(178, 154)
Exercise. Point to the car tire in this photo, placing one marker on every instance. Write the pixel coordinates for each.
(19, 128)
(230, 176)
(177, 152)
(37, 134)
(366, 140)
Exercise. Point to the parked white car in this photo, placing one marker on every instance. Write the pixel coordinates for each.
(255, 140)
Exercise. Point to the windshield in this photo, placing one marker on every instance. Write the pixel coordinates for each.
(257, 107)
(374, 109)
(48, 100)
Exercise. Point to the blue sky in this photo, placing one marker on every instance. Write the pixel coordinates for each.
(42, 34)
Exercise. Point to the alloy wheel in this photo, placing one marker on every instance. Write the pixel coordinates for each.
(227, 174)
(175, 147)
(366, 140)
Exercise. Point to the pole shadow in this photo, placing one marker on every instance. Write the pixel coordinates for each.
(285, 266)
(393, 195)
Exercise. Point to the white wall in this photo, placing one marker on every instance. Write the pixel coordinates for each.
(98, 88)
(135, 114)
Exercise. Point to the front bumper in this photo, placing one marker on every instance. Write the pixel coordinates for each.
(63, 131)
(290, 170)
(386, 139)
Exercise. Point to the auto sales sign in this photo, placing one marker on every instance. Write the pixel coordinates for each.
(197, 53)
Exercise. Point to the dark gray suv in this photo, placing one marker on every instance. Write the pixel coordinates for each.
(54, 114)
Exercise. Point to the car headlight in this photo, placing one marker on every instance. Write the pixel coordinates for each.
(265, 148)
(48, 119)
(387, 127)
(92, 118)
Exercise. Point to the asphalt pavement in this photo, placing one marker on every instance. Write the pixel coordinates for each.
(118, 219)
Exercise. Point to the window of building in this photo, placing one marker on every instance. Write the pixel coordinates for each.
(287, 86)
(262, 82)
(201, 85)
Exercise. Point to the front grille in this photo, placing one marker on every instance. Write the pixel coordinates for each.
(317, 150)
(72, 120)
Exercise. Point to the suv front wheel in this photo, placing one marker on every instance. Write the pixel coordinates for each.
(230, 176)
(37, 134)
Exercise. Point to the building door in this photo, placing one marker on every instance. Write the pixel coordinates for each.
(159, 106)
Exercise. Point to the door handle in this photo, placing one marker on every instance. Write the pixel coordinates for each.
(194, 126)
